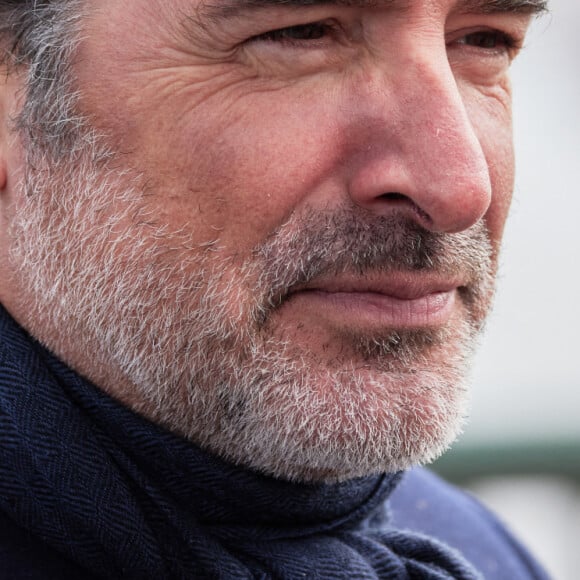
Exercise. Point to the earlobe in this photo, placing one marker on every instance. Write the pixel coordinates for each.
(3, 130)
(5, 137)
(2, 174)
(3, 159)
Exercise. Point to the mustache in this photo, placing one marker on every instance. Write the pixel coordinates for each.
(359, 242)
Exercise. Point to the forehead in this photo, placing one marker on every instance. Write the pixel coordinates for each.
(480, 6)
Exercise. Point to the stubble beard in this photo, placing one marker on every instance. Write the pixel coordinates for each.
(193, 333)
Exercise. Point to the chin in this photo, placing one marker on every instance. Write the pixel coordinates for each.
(290, 415)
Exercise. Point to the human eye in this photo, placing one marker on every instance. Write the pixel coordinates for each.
(299, 35)
(489, 37)
(299, 44)
(490, 40)
(481, 49)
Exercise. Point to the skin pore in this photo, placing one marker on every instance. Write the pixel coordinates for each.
(280, 234)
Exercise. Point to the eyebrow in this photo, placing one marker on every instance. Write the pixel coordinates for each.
(231, 8)
(493, 6)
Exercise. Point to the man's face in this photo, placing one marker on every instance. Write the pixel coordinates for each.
(286, 246)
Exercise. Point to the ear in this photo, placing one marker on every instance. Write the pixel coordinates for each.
(2, 174)
(3, 130)
(8, 168)
(10, 85)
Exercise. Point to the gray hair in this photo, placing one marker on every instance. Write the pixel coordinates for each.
(38, 38)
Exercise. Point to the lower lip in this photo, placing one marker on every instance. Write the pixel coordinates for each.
(375, 309)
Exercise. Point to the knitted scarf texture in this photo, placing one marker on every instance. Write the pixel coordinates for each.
(123, 498)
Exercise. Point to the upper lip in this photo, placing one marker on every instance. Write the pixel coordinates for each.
(399, 285)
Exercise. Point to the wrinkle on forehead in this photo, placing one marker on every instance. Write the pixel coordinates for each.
(225, 8)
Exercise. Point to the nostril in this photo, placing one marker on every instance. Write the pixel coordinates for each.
(402, 200)
(395, 196)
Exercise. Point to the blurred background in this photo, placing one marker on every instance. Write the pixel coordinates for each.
(521, 450)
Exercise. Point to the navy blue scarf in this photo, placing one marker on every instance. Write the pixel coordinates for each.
(125, 499)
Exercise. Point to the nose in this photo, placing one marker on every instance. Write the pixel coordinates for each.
(418, 151)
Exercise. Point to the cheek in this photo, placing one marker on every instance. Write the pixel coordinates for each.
(492, 122)
(241, 173)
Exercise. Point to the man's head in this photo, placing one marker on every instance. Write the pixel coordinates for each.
(270, 226)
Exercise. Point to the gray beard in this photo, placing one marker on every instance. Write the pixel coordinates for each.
(189, 337)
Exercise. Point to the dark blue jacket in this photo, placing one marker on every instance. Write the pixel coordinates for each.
(88, 489)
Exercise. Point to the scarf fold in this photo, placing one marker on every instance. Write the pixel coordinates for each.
(125, 499)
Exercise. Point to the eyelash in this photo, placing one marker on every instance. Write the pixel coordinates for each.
(497, 37)
(304, 34)
(298, 34)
